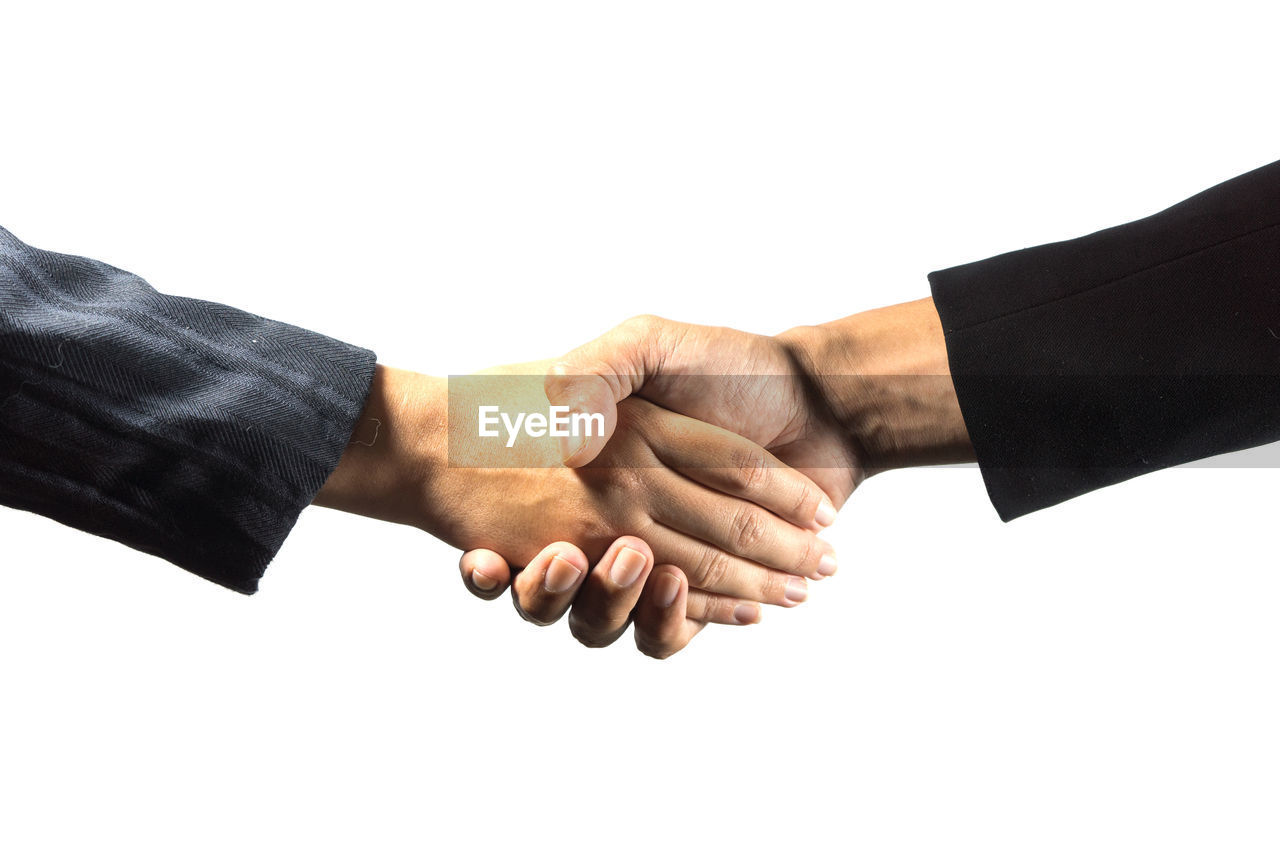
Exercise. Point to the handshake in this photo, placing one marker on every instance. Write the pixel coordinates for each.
(695, 466)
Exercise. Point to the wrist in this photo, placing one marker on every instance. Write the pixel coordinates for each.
(883, 374)
(397, 452)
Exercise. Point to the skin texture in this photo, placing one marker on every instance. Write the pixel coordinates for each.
(840, 401)
(741, 536)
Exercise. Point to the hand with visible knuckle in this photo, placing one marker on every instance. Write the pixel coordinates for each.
(629, 488)
(516, 512)
(748, 530)
(806, 507)
(752, 470)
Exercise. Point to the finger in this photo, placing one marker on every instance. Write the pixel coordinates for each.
(711, 569)
(714, 608)
(736, 465)
(588, 395)
(741, 529)
(662, 629)
(733, 522)
(595, 377)
(603, 607)
(544, 590)
(484, 573)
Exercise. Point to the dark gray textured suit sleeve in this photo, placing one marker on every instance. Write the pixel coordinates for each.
(182, 428)
(1083, 363)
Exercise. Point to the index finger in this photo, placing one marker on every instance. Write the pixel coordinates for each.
(485, 573)
(728, 462)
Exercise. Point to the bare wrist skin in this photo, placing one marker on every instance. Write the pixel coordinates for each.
(884, 375)
(398, 450)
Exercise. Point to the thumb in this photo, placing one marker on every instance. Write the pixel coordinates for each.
(591, 398)
(593, 379)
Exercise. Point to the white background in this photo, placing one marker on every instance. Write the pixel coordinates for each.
(459, 185)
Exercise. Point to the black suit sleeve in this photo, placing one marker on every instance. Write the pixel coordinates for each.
(1083, 363)
(185, 429)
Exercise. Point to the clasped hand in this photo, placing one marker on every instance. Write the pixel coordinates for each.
(723, 455)
(715, 550)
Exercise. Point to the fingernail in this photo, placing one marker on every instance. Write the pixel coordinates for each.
(556, 382)
(746, 614)
(827, 566)
(666, 590)
(569, 447)
(626, 567)
(483, 582)
(826, 514)
(797, 590)
(561, 575)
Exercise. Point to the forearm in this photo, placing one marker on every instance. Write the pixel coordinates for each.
(1078, 364)
(1086, 362)
(183, 428)
(883, 375)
